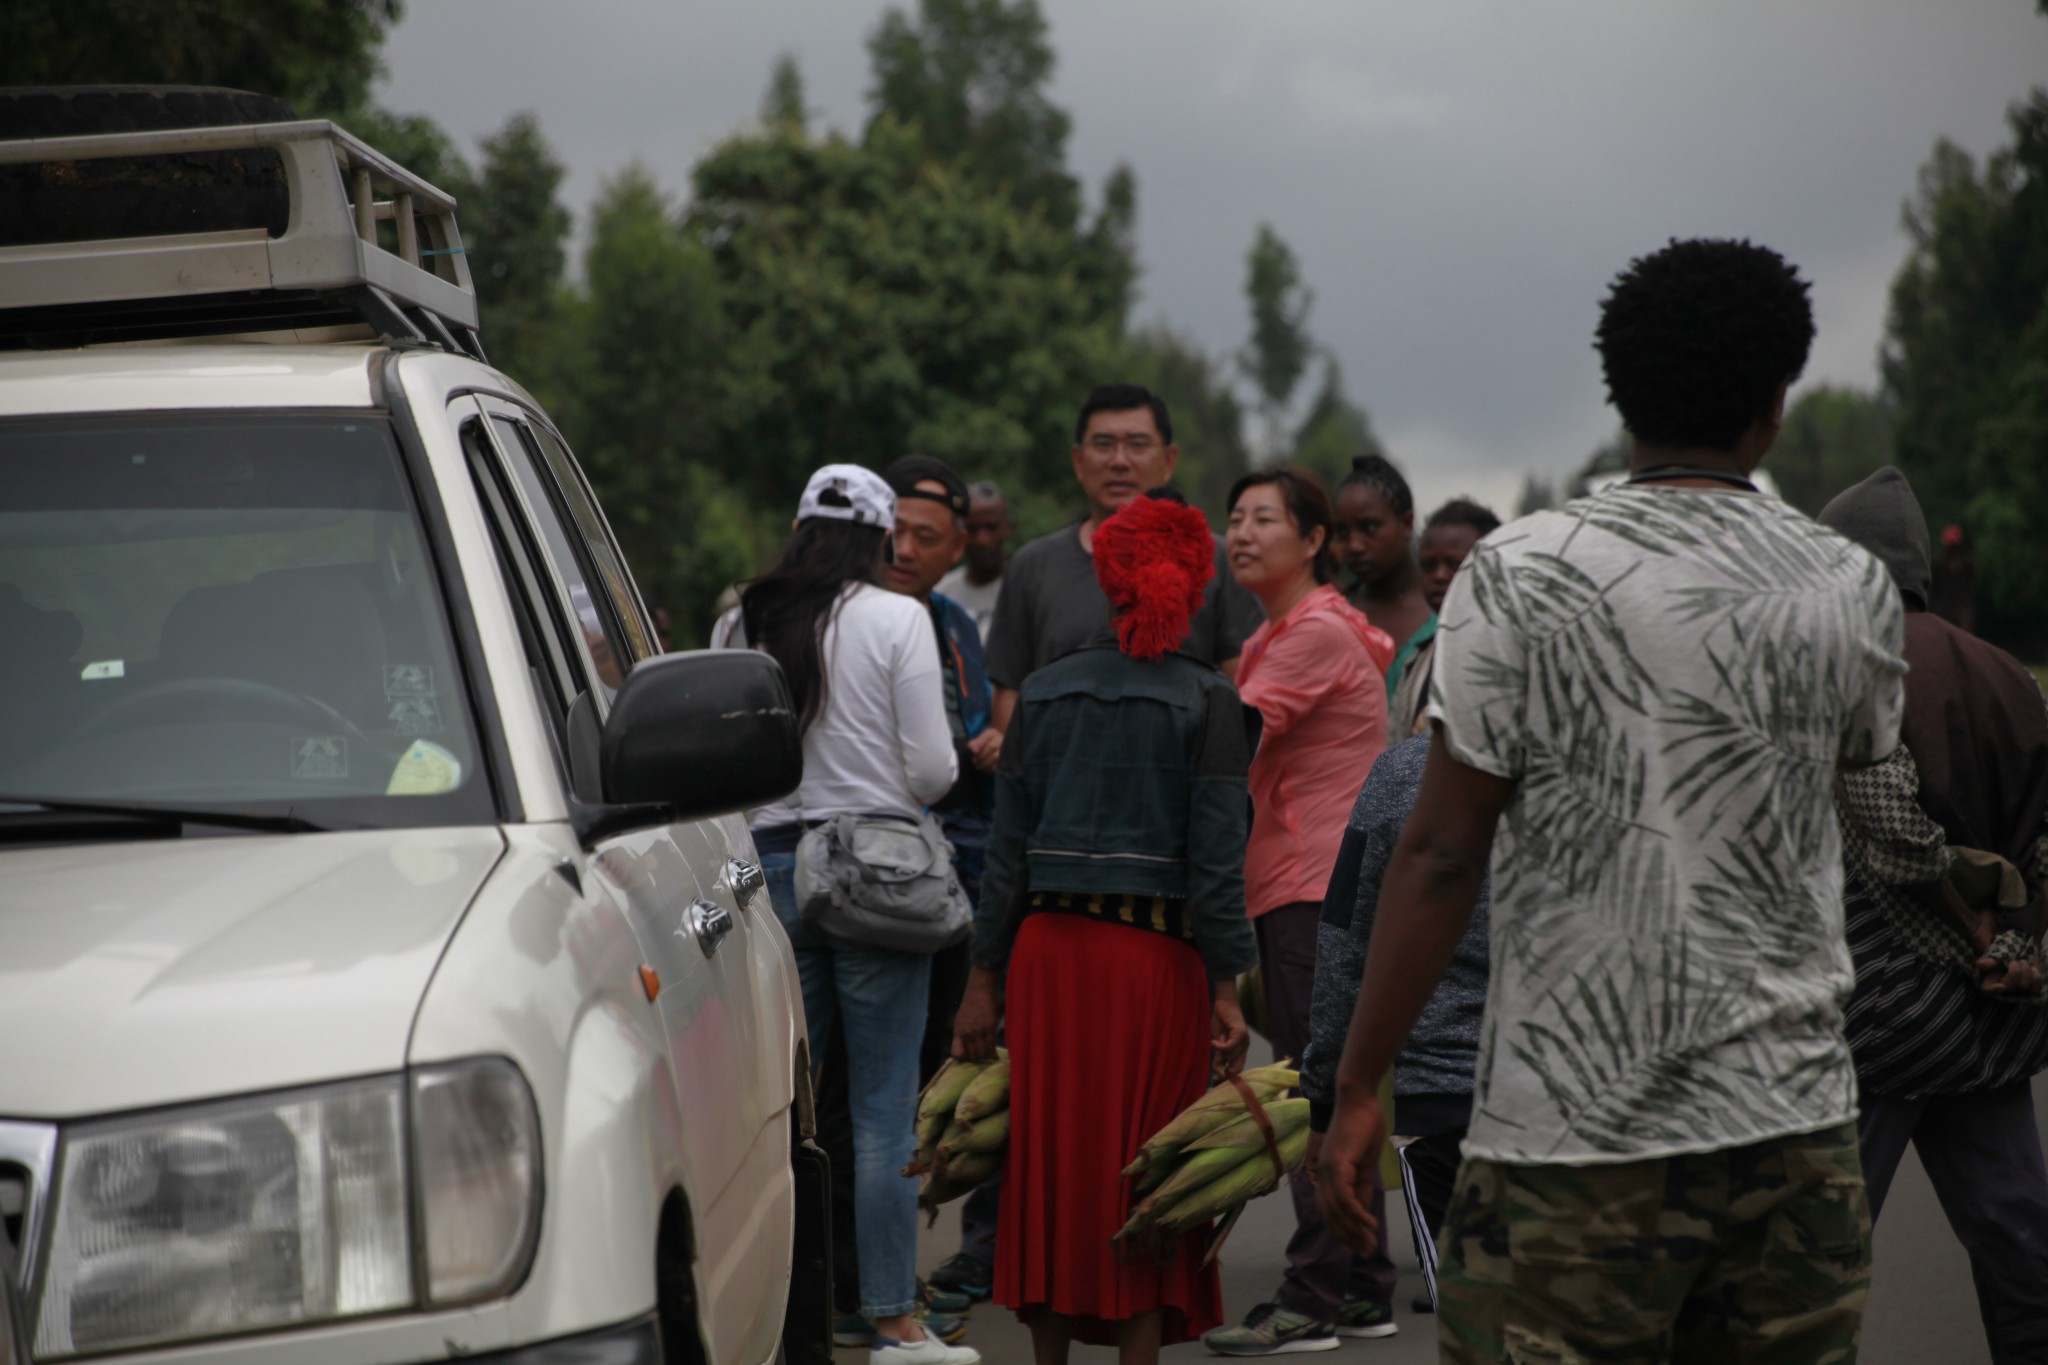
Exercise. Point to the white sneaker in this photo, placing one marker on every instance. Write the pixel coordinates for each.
(930, 1351)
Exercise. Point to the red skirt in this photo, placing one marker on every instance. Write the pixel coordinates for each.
(1108, 1030)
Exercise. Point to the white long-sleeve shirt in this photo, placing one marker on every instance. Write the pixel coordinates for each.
(881, 744)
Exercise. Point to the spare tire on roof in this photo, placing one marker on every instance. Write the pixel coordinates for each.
(144, 196)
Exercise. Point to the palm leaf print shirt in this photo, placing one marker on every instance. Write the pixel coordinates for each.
(1672, 677)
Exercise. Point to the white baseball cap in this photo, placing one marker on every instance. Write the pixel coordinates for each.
(861, 496)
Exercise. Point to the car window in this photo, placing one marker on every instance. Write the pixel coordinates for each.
(604, 552)
(226, 608)
(602, 641)
(556, 681)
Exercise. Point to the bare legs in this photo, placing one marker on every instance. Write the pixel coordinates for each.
(1137, 1338)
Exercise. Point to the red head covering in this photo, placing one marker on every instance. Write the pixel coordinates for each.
(1154, 558)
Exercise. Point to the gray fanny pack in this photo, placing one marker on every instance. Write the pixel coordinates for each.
(883, 881)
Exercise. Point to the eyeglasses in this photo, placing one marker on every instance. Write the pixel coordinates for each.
(1103, 443)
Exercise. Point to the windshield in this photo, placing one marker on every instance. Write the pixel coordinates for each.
(227, 611)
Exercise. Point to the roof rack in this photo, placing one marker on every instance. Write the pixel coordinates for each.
(328, 268)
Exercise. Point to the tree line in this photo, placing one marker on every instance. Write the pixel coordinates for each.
(940, 281)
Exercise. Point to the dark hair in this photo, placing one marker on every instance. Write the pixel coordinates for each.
(1122, 398)
(1166, 492)
(1695, 339)
(786, 610)
(1377, 472)
(1306, 502)
(906, 472)
(1465, 512)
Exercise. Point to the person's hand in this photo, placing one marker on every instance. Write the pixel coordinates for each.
(1228, 1035)
(1315, 1153)
(986, 749)
(980, 1014)
(1346, 1166)
(1996, 976)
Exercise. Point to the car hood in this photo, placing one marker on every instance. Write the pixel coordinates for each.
(147, 973)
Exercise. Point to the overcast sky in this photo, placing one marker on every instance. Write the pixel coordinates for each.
(1460, 179)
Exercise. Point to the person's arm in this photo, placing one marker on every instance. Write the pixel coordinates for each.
(1431, 884)
(919, 693)
(1344, 928)
(1004, 707)
(1004, 887)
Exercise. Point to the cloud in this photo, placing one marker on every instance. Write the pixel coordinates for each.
(1358, 101)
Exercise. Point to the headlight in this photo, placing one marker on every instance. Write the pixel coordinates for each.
(291, 1209)
(478, 1145)
(222, 1218)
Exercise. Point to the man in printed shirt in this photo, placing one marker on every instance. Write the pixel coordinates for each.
(1648, 692)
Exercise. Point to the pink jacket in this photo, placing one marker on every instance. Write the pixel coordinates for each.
(1318, 677)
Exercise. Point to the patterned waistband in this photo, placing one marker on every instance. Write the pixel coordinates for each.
(1156, 914)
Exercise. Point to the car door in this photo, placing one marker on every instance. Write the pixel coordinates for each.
(681, 885)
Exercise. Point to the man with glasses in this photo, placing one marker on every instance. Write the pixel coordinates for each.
(1051, 603)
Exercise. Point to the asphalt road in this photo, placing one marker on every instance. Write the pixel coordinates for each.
(1922, 1307)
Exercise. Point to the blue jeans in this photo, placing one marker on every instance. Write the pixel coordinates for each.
(878, 996)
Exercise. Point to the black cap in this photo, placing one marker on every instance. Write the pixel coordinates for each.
(906, 473)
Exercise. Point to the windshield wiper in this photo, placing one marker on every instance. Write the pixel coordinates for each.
(37, 819)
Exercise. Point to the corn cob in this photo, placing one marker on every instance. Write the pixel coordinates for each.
(989, 1134)
(1244, 1131)
(987, 1093)
(1195, 1172)
(1219, 1106)
(1245, 1181)
(956, 1177)
(944, 1089)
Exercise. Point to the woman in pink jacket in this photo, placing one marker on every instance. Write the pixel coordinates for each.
(1317, 672)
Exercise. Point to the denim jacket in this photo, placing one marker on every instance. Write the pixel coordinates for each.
(1122, 775)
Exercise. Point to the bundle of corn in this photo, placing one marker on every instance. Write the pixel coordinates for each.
(1230, 1146)
(963, 1129)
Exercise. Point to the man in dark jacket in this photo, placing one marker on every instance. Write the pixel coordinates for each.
(1947, 862)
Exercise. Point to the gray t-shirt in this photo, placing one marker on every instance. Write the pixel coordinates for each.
(1052, 605)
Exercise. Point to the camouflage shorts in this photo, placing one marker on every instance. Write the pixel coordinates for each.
(1755, 1254)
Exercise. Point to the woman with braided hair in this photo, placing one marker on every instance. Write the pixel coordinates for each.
(1109, 939)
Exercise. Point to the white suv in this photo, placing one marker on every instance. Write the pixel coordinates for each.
(385, 972)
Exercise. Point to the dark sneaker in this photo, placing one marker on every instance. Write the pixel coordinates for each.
(1421, 1304)
(965, 1275)
(1366, 1318)
(950, 1302)
(855, 1330)
(1271, 1330)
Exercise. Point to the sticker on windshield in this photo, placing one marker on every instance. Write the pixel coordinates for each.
(408, 680)
(319, 758)
(105, 668)
(415, 716)
(425, 769)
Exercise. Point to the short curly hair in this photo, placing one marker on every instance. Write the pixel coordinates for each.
(1695, 339)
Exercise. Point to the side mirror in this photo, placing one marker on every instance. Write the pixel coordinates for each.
(706, 733)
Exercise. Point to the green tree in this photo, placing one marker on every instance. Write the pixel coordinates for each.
(782, 108)
(878, 302)
(970, 76)
(1965, 364)
(321, 55)
(1280, 348)
(1537, 495)
(970, 79)
(645, 342)
(1334, 430)
(1208, 420)
(1832, 438)
(514, 227)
